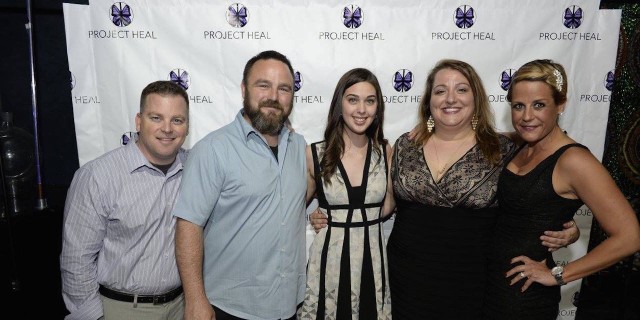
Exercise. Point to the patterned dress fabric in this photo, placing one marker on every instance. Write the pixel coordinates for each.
(437, 248)
(347, 274)
(528, 206)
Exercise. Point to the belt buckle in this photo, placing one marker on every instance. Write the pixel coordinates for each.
(155, 300)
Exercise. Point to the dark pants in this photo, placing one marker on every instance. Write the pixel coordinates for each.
(221, 315)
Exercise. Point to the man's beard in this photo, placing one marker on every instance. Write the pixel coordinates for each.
(266, 123)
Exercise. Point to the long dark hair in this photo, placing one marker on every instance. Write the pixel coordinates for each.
(335, 124)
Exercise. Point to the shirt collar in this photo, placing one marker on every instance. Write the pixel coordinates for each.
(136, 160)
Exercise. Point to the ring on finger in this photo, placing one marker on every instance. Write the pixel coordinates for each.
(522, 274)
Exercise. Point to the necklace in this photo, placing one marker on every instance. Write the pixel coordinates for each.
(445, 166)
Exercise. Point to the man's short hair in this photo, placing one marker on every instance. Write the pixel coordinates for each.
(163, 88)
(265, 55)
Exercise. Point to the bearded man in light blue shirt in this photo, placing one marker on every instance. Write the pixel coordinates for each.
(240, 234)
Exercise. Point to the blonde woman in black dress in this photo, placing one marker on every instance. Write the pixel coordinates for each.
(544, 183)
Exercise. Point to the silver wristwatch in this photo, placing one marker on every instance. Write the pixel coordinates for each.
(557, 273)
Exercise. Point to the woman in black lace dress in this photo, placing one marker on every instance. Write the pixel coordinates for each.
(445, 183)
(544, 183)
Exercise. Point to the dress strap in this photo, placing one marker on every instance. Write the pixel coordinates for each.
(553, 159)
(322, 200)
(564, 148)
(384, 156)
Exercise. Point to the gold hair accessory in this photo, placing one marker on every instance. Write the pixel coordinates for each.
(559, 80)
(430, 124)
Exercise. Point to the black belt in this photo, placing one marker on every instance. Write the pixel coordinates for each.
(125, 297)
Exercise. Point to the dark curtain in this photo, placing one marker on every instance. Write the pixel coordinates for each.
(614, 293)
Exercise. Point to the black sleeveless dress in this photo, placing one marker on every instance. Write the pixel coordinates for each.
(528, 207)
(437, 247)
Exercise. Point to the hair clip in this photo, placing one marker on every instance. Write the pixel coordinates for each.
(559, 80)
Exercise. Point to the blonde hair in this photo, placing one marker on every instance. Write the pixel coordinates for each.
(544, 70)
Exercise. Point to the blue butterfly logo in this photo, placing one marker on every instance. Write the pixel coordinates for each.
(126, 137)
(180, 77)
(73, 80)
(464, 17)
(505, 79)
(121, 14)
(608, 81)
(352, 17)
(237, 15)
(573, 17)
(402, 80)
(297, 81)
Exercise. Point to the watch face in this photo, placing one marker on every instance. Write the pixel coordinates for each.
(557, 270)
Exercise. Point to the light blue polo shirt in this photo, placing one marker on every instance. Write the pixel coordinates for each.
(252, 207)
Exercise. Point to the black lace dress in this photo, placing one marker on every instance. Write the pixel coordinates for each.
(528, 207)
(437, 247)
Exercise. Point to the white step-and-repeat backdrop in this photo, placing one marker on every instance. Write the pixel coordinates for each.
(115, 48)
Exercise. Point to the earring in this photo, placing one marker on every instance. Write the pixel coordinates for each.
(430, 124)
(474, 122)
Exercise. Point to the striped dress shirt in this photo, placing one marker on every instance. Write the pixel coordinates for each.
(118, 230)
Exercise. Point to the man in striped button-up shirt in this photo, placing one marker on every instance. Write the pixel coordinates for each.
(117, 257)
